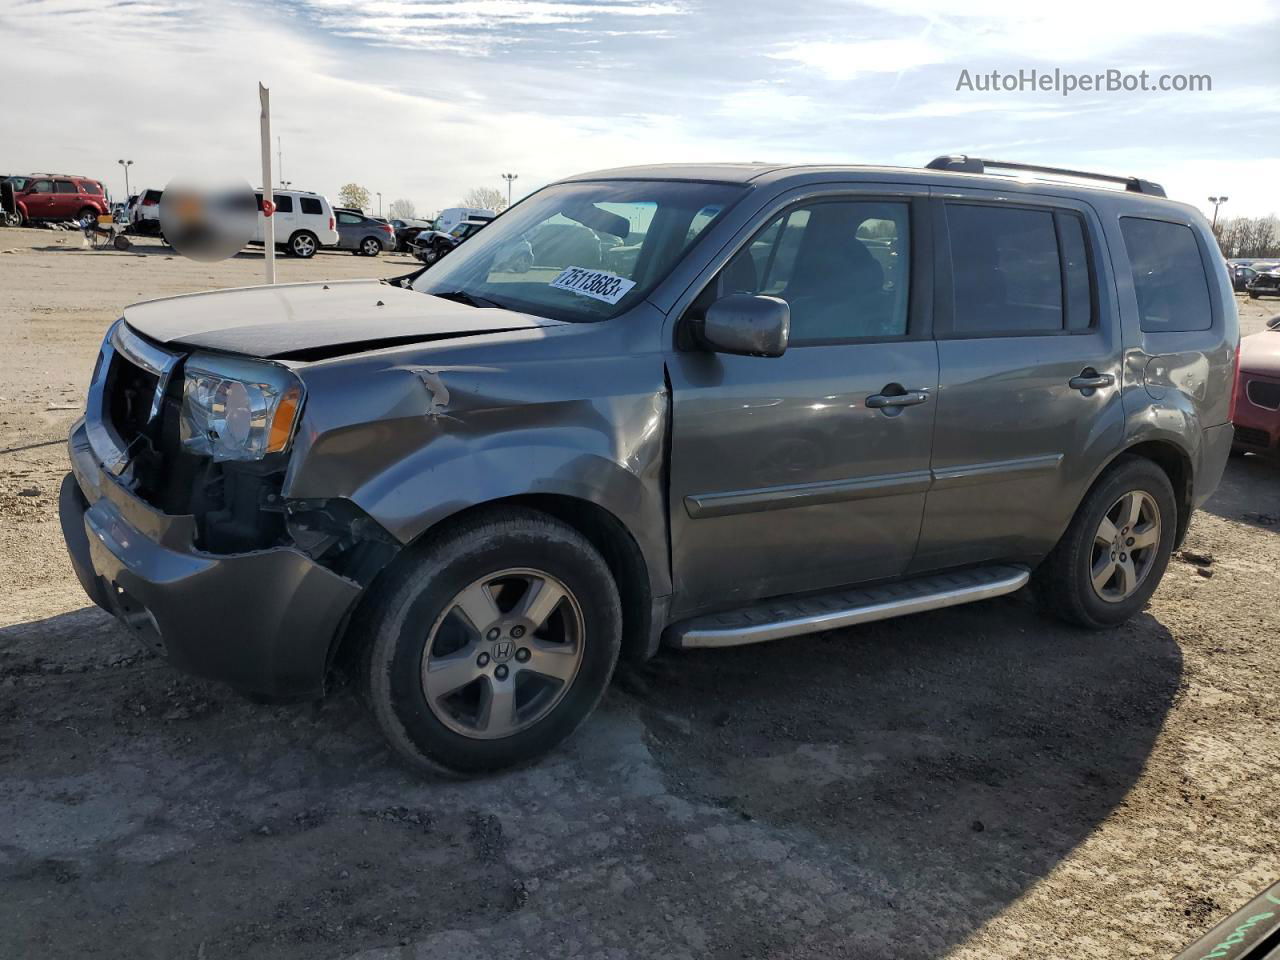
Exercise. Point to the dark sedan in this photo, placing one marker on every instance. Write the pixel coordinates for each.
(406, 229)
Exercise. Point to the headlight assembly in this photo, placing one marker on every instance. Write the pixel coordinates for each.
(238, 409)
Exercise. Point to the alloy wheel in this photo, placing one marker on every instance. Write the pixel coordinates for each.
(503, 653)
(371, 248)
(303, 245)
(1125, 546)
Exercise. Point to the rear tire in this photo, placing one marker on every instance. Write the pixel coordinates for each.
(88, 213)
(370, 247)
(415, 620)
(1064, 583)
(303, 245)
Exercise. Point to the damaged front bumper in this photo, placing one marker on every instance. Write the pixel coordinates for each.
(264, 621)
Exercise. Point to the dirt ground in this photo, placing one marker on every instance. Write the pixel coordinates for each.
(974, 783)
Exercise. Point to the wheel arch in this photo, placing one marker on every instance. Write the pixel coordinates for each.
(301, 232)
(605, 532)
(1176, 462)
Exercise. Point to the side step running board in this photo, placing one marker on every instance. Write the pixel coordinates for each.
(792, 616)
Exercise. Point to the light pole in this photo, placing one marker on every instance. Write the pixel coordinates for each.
(1217, 202)
(379, 204)
(126, 164)
(510, 178)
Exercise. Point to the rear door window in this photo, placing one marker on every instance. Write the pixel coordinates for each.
(1168, 275)
(309, 205)
(64, 186)
(1006, 275)
(284, 203)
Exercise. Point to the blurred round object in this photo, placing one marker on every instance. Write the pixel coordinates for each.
(208, 222)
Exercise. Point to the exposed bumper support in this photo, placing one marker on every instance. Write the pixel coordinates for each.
(263, 622)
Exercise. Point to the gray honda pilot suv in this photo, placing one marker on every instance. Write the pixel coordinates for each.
(724, 404)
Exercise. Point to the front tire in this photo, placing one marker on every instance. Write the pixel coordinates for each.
(492, 644)
(1110, 561)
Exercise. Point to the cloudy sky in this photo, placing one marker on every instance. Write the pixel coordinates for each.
(426, 98)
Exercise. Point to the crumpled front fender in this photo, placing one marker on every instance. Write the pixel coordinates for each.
(412, 443)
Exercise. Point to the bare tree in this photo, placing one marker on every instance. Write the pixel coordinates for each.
(354, 195)
(1249, 237)
(488, 198)
(402, 209)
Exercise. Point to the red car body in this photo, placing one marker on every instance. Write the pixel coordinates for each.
(58, 196)
(1257, 400)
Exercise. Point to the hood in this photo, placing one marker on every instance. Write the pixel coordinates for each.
(310, 321)
(1260, 353)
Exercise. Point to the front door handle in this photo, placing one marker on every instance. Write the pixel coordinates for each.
(908, 398)
(1091, 379)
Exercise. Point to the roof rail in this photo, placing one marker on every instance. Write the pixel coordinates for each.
(965, 164)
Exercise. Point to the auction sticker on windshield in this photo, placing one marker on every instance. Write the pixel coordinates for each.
(596, 284)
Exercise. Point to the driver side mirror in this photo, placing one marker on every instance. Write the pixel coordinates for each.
(748, 325)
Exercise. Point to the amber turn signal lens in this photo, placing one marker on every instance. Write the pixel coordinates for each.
(282, 422)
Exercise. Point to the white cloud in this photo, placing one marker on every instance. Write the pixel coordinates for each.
(474, 26)
(845, 60)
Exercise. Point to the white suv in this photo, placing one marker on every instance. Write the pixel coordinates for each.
(304, 222)
(144, 211)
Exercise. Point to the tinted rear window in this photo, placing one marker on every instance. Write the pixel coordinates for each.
(1005, 270)
(1168, 275)
(153, 195)
(64, 186)
(284, 203)
(309, 205)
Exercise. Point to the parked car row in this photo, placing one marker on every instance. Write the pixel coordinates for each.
(1254, 276)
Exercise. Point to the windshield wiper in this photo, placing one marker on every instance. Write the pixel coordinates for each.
(470, 299)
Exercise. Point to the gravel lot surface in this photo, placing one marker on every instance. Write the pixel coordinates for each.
(975, 783)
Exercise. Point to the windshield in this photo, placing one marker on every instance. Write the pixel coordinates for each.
(581, 251)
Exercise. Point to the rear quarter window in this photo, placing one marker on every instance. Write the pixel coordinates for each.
(1168, 275)
(309, 205)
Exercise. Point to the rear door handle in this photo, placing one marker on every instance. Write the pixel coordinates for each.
(908, 399)
(1090, 379)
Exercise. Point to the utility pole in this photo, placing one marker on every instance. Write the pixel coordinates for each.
(1217, 202)
(280, 160)
(510, 178)
(379, 204)
(268, 200)
(126, 164)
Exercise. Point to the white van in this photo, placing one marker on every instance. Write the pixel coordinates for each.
(453, 216)
(304, 222)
